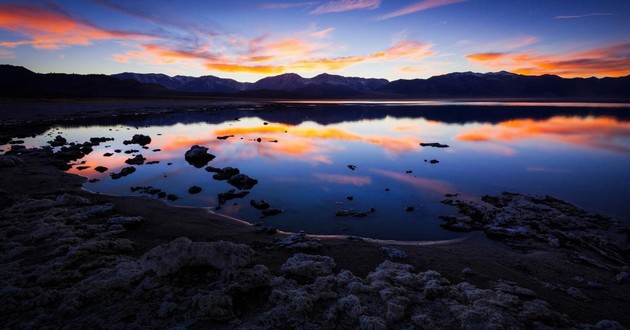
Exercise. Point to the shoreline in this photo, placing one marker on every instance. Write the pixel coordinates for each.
(543, 270)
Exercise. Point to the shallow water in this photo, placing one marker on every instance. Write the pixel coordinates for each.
(579, 153)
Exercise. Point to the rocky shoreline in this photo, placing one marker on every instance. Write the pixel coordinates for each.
(73, 259)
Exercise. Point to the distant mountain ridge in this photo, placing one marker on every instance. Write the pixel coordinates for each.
(17, 81)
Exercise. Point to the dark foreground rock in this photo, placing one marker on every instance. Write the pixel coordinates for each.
(542, 222)
(67, 265)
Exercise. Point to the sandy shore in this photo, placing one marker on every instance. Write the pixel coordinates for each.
(74, 259)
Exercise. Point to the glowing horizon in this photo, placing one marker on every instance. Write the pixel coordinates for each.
(361, 38)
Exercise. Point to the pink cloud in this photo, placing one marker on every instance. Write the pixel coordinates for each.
(610, 60)
(419, 6)
(48, 28)
(345, 5)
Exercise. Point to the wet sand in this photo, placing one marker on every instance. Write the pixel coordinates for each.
(546, 271)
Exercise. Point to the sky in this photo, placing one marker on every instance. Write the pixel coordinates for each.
(248, 40)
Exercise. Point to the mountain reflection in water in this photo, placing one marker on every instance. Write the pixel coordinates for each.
(300, 154)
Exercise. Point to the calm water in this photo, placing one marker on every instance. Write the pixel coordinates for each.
(579, 153)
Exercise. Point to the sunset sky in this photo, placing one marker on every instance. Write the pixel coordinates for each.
(248, 40)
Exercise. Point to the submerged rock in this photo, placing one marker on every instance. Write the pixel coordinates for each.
(271, 212)
(242, 181)
(259, 205)
(198, 156)
(124, 172)
(194, 190)
(230, 194)
(223, 173)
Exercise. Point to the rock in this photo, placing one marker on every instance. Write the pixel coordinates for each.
(108, 154)
(352, 167)
(307, 265)
(153, 162)
(194, 190)
(434, 161)
(434, 145)
(125, 220)
(409, 208)
(213, 306)
(131, 151)
(393, 253)
(503, 232)
(371, 323)
(123, 172)
(138, 139)
(622, 277)
(230, 194)
(224, 137)
(242, 181)
(167, 259)
(577, 294)
(298, 241)
(10, 161)
(101, 169)
(468, 272)
(223, 173)
(345, 213)
(98, 140)
(58, 141)
(172, 197)
(608, 325)
(271, 212)
(198, 156)
(259, 205)
(137, 160)
(349, 198)
(81, 168)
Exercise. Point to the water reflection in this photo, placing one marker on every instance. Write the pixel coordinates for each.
(301, 158)
(593, 132)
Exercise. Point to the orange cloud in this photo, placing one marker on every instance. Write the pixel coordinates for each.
(611, 60)
(344, 179)
(599, 133)
(53, 29)
(258, 69)
(417, 7)
(337, 6)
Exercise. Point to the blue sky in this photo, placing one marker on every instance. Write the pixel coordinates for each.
(248, 40)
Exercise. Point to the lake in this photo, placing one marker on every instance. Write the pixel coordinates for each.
(300, 154)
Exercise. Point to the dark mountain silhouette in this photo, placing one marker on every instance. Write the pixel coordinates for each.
(20, 82)
(17, 81)
(505, 84)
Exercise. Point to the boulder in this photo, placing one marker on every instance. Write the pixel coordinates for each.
(242, 181)
(138, 139)
(198, 156)
(138, 160)
(307, 265)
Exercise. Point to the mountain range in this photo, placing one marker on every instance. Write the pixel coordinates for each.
(20, 82)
